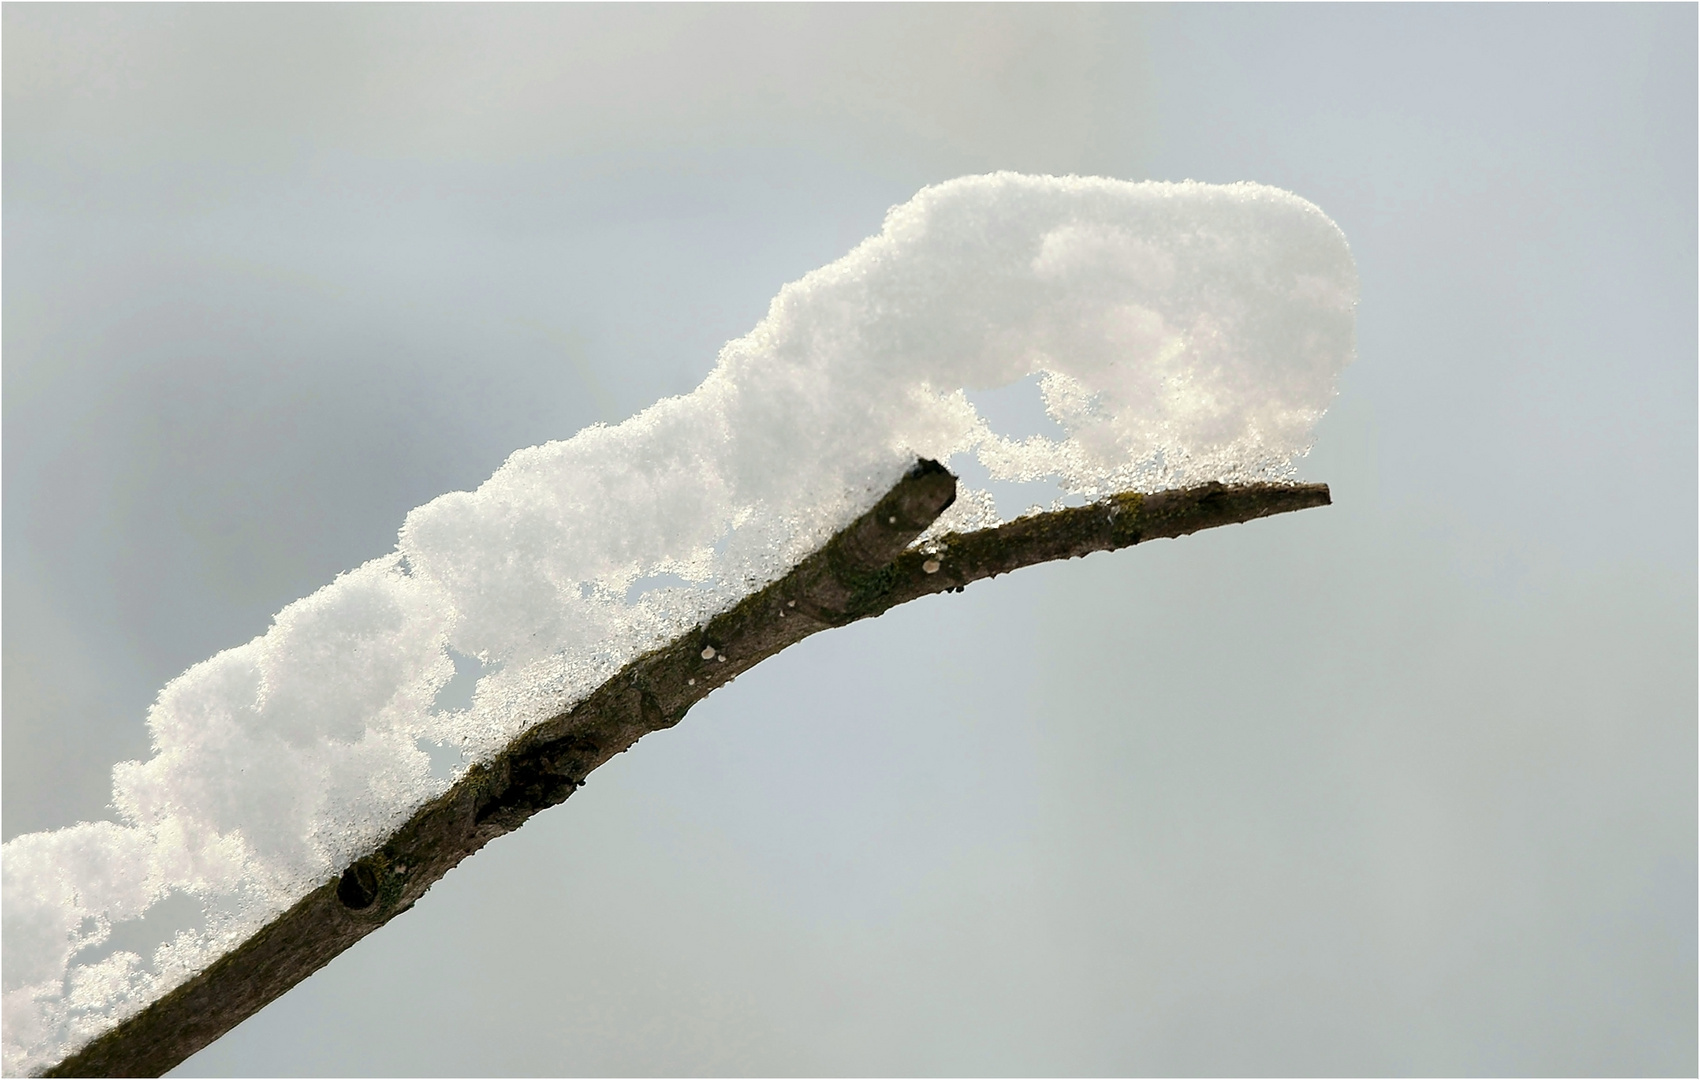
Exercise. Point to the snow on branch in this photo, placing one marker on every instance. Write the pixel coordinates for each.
(1178, 335)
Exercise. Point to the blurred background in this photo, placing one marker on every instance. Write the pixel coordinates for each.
(1404, 785)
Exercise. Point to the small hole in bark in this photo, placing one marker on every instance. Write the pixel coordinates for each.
(358, 887)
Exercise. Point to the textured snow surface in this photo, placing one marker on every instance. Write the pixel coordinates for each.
(1180, 333)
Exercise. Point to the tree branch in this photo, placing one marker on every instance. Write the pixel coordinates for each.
(862, 572)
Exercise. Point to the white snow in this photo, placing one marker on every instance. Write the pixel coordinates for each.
(1181, 332)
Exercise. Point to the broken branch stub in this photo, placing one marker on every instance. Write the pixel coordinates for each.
(863, 571)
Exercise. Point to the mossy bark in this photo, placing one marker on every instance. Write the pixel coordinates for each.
(865, 570)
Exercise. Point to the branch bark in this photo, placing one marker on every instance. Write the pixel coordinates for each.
(863, 571)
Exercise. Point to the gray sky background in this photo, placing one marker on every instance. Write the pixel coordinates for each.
(1406, 785)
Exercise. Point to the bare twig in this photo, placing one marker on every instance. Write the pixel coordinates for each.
(865, 570)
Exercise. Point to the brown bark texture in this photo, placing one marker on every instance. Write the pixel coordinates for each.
(870, 567)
